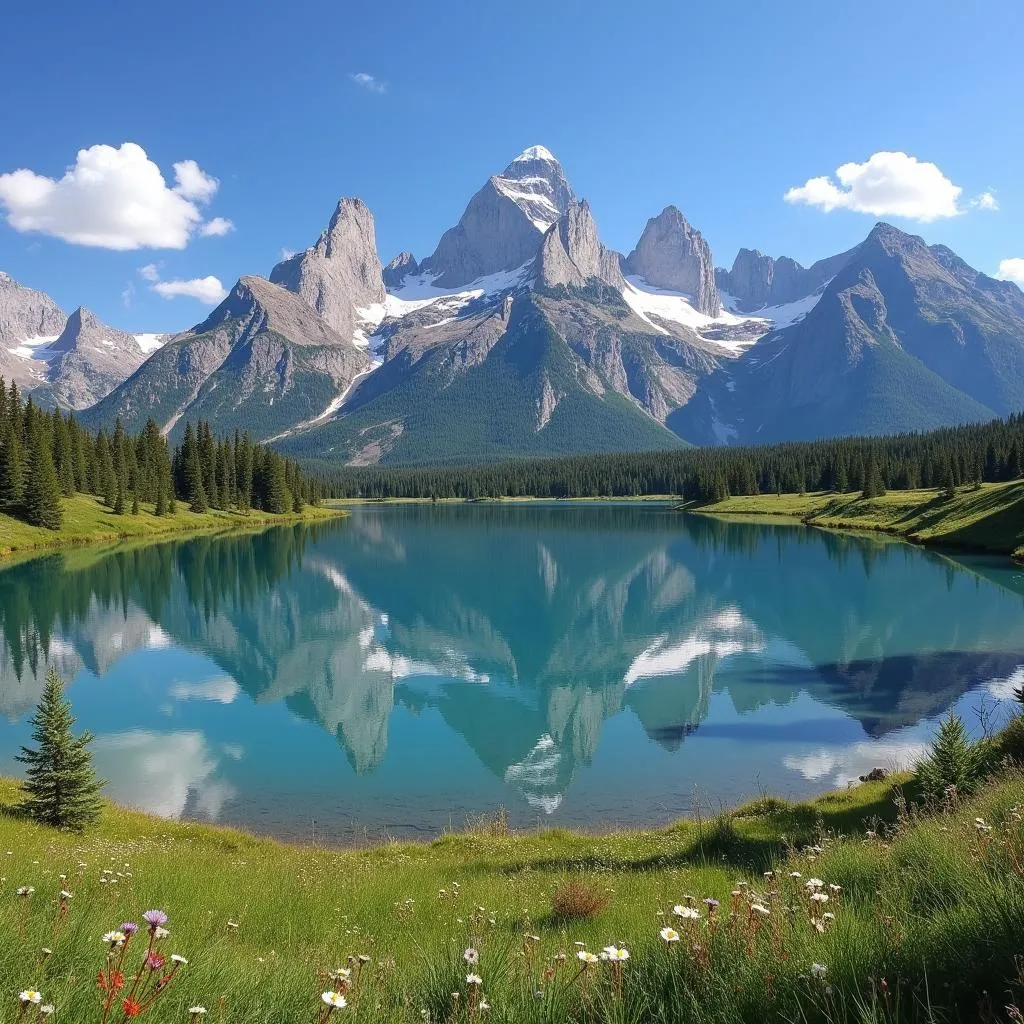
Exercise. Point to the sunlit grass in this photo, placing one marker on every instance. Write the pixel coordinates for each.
(989, 518)
(927, 916)
(87, 519)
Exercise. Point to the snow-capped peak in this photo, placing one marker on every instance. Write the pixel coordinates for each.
(536, 153)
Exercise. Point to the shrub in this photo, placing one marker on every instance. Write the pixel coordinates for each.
(577, 899)
(954, 765)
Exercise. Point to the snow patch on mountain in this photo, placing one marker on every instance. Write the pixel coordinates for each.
(149, 343)
(535, 153)
(644, 300)
(34, 348)
(779, 316)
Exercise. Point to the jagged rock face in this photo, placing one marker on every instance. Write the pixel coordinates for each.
(401, 267)
(504, 222)
(89, 360)
(672, 254)
(757, 280)
(341, 274)
(24, 314)
(262, 361)
(572, 255)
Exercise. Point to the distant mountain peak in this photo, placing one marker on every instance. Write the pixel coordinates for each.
(341, 274)
(536, 153)
(674, 255)
(503, 224)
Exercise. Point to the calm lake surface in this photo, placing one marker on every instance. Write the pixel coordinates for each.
(410, 667)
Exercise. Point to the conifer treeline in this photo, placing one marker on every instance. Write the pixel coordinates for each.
(46, 455)
(946, 458)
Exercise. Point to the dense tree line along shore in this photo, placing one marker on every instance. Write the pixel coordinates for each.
(947, 458)
(47, 455)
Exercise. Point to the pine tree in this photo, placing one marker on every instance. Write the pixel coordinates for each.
(12, 482)
(161, 499)
(62, 786)
(954, 763)
(42, 492)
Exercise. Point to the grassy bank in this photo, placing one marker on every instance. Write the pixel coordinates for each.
(990, 518)
(927, 919)
(88, 520)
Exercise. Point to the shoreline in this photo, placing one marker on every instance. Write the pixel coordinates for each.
(988, 520)
(145, 526)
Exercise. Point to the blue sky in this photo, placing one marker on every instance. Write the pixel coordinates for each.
(718, 108)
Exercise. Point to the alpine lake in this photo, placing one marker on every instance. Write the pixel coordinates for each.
(412, 668)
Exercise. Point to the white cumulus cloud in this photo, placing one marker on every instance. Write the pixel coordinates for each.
(217, 227)
(205, 289)
(150, 272)
(193, 182)
(887, 184)
(112, 198)
(1012, 270)
(369, 82)
(985, 201)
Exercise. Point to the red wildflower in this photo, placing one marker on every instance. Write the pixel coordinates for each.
(131, 1008)
(116, 981)
(154, 961)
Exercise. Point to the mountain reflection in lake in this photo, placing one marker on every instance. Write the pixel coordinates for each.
(591, 666)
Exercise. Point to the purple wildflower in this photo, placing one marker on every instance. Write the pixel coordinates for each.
(129, 928)
(711, 902)
(154, 918)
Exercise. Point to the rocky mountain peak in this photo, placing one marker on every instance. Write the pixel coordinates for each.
(341, 274)
(572, 255)
(84, 330)
(757, 280)
(503, 224)
(401, 267)
(26, 313)
(672, 254)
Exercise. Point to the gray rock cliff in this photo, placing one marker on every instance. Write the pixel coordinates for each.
(672, 254)
(341, 274)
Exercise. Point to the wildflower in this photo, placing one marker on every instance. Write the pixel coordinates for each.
(484, 1005)
(340, 974)
(819, 897)
(711, 903)
(829, 916)
(153, 962)
(813, 883)
(114, 938)
(614, 953)
(26, 890)
(474, 979)
(45, 1011)
(154, 918)
(686, 913)
(45, 952)
(31, 995)
(178, 960)
(819, 970)
(587, 958)
(795, 874)
(131, 1008)
(232, 926)
(669, 935)
(129, 928)
(335, 1000)
(161, 933)
(65, 895)
(759, 908)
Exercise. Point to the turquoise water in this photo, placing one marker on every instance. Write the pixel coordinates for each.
(411, 667)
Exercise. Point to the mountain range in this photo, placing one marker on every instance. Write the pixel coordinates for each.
(523, 334)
